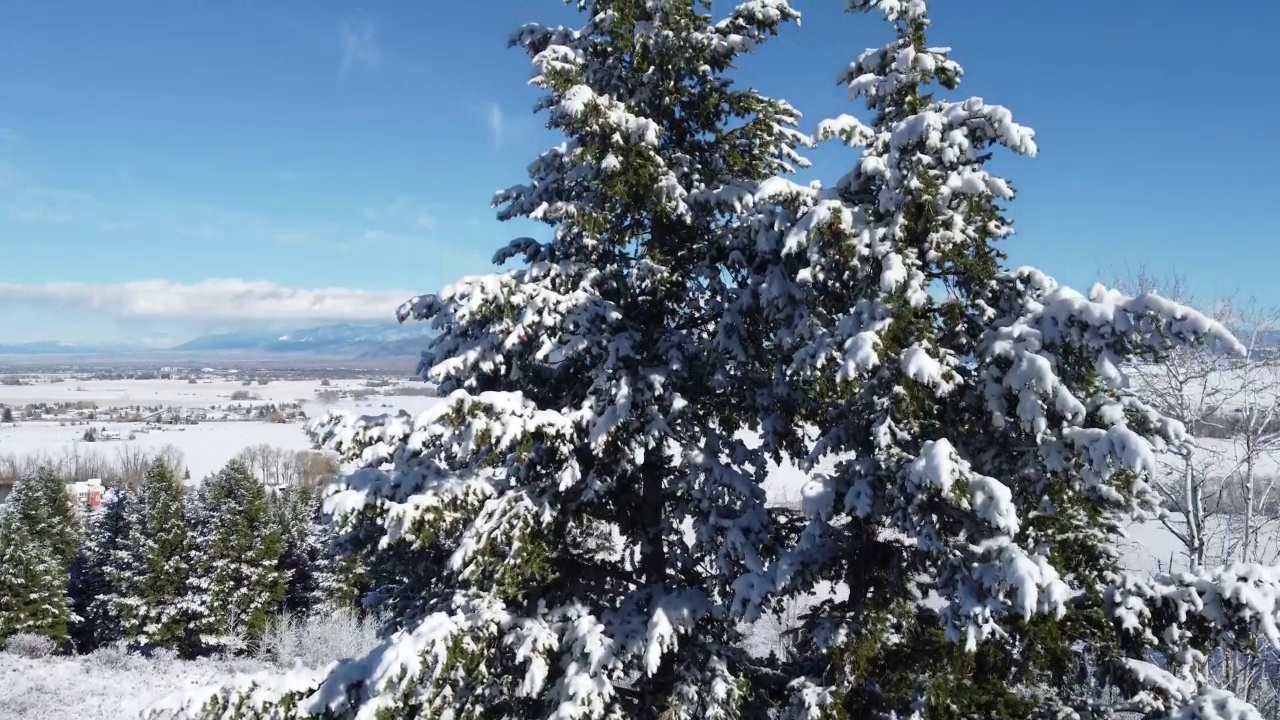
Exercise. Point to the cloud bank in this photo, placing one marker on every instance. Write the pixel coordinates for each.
(226, 299)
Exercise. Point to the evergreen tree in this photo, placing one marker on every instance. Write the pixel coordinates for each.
(103, 578)
(341, 576)
(44, 508)
(302, 563)
(156, 565)
(560, 536)
(987, 453)
(33, 583)
(577, 531)
(238, 560)
(203, 633)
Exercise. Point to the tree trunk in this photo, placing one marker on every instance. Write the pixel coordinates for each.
(1248, 502)
(653, 555)
(1195, 512)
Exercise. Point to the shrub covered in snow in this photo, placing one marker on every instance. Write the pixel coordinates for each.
(108, 684)
(317, 639)
(30, 646)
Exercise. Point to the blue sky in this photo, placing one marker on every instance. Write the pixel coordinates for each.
(168, 168)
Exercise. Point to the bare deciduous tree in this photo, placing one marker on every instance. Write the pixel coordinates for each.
(1221, 489)
(1196, 386)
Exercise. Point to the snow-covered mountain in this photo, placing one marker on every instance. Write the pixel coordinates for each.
(342, 340)
(364, 340)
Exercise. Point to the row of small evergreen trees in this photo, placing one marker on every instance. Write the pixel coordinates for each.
(199, 571)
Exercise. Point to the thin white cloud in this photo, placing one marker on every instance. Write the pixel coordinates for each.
(38, 205)
(43, 205)
(225, 299)
(379, 236)
(360, 47)
(402, 221)
(357, 43)
(294, 237)
(404, 214)
(497, 125)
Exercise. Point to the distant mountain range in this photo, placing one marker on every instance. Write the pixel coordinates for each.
(344, 340)
(362, 340)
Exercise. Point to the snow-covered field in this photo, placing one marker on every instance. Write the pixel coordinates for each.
(106, 685)
(176, 393)
(206, 393)
(110, 684)
(207, 446)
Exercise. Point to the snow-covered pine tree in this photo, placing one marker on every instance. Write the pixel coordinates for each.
(558, 537)
(43, 505)
(987, 452)
(239, 548)
(33, 583)
(302, 563)
(154, 569)
(203, 634)
(340, 577)
(102, 576)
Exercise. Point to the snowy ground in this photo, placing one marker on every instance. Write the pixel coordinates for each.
(102, 686)
(176, 393)
(109, 684)
(206, 447)
(206, 393)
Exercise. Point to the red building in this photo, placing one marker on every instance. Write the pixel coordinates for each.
(86, 494)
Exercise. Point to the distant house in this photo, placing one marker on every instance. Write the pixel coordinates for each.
(86, 494)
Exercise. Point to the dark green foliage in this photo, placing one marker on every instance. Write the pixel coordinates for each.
(101, 579)
(240, 546)
(302, 562)
(202, 632)
(33, 584)
(158, 564)
(43, 506)
(41, 541)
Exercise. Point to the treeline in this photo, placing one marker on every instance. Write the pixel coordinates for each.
(126, 465)
(198, 571)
